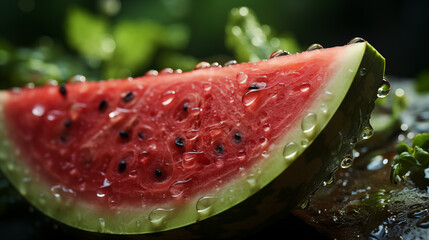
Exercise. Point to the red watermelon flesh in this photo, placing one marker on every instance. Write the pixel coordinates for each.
(154, 147)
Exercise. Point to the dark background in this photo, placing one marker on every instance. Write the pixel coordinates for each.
(398, 29)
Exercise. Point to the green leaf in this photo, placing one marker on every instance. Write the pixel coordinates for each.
(422, 141)
(250, 41)
(421, 156)
(413, 160)
(136, 44)
(403, 147)
(88, 34)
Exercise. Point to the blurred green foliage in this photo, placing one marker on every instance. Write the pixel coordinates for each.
(108, 45)
(422, 82)
(251, 41)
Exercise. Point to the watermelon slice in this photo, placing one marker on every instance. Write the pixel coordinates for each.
(167, 150)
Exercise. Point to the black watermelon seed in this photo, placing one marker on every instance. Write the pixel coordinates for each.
(219, 148)
(122, 165)
(63, 137)
(63, 90)
(128, 97)
(140, 134)
(124, 134)
(185, 106)
(180, 142)
(67, 123)
(158, 172)
(237, 137)
(254, 86)
(102, 105)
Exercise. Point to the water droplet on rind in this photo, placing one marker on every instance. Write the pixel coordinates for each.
(329, 181)
(290, 151)
(158, 217)
(347, 161)
(384, 89)
(204, 206)
(305, 203)
(362, 72)
(252, 181)
(102, 224)
(308, 124)
(367, 132)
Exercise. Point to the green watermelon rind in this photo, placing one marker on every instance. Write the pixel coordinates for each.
(248, 182)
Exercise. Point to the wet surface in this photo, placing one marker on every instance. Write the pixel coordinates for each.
(362, 203)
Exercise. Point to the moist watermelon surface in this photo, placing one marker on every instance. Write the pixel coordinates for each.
(154, 153)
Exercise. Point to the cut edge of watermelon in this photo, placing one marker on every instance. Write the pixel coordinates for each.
(165, 217)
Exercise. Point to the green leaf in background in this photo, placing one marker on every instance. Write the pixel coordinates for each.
(89, 34)
(124, 48)
(37, 65)
(137, 43)
(250, 41)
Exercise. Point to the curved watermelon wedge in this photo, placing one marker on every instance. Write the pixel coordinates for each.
(164, 151)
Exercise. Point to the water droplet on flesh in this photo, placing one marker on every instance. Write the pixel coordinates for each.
(178, 188)
(279, 53)
(52, 82)
(384, 89)
(215, 64)
(38, 110)
(101, 193)
(308, 124)
(201, 65)
(166, 71)
(250, 97)
(167, 98)
(151, 72)
(230, 63)
(77, 79)
(290, 151)
(314, 46)
(304, 87)
(241, 77)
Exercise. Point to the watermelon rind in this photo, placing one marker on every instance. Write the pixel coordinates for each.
(295, 166)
